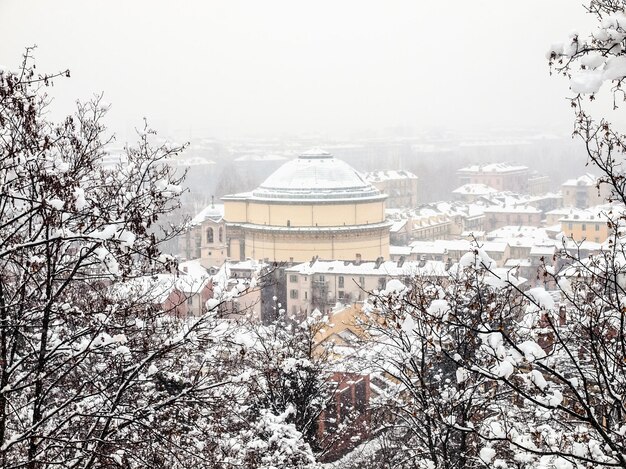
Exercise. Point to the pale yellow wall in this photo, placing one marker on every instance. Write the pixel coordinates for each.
(235, 211)
(347, 318)
(235, 250)
(260, 213)
(575, 230)
(369, 245)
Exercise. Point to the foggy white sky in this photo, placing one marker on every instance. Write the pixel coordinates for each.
(269, 67)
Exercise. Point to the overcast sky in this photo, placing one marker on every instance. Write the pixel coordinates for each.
(231, 68)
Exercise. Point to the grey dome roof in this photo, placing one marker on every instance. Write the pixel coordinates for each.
(316, 174)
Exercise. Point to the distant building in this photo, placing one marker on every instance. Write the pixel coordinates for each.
(539, 184)
(584, 192)
(322, 284)
(589, 224)
(399, 185)
(500, 176)
(498, 217)
(473, 192)
(206, 237)
(449, 251)
(314, 205)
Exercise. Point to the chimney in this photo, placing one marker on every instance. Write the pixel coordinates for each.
(379, 262)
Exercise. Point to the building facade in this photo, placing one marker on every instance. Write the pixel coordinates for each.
(399, 185)
(500, 176)
(314, 205)
(584, 192)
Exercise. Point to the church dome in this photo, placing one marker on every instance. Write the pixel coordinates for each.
(316, 175)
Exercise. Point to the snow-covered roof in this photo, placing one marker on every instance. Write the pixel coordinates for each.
(586, 179)
(316, 174)
(494, 246)
(474, 189)
(398, 226)
(400, 250)
(546, 250)
(596, 214)
(441, 245)
(527, 209)
(386, 268)
(518, 263)
(493, 168)
(515, 232)
(214, 212)
(389, 174)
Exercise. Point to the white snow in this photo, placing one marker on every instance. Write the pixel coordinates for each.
(55, 203)
(615, 68)
(395, 286)
(537, 378)
(543, 299)
(593, 60)
(531, 350)
(586, 81)
(487, 454)
(504, 370)
(461, 375)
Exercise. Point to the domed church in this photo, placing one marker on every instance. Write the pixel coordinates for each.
(314, 205)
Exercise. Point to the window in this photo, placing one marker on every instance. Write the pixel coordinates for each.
(584, 227)
(362, 282)
(306, 295)
(597, 226)
(293, 294)
(209, 235)
(340, 294)
(190, 300)
(293, 278)
(570, 225)
(220, 234)
(340, 281)
(382, 283)
(321, 278)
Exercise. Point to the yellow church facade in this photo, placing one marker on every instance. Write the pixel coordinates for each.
(314, 205)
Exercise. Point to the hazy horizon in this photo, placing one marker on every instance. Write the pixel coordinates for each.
(277, 68)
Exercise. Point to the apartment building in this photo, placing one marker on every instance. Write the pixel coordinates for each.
(322, 284)
(500, 176)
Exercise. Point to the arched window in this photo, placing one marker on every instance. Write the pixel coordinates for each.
(209, 235)
(220, 234)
